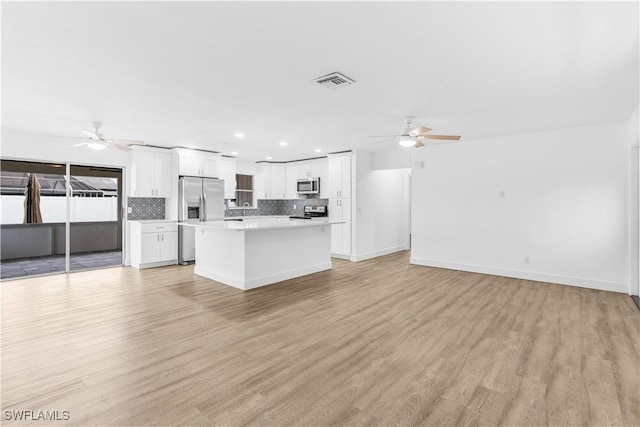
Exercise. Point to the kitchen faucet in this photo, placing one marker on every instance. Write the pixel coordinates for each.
(244, 208)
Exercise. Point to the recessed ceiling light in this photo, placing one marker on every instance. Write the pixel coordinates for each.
(318, 150)
(269, 157)
(191, 146)
(235, 153)
(239, 135)
(284, 143)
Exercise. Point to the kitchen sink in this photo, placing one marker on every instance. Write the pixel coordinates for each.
(233, 219)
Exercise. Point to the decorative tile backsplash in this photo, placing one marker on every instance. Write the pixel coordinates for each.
(278, 207)
(241, 212)
(145, 208)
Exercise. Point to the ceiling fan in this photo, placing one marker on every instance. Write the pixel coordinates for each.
(97, 141)
(416, 137)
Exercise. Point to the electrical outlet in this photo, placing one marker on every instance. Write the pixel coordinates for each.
(526, 260)
(129, 209)
(294, 207)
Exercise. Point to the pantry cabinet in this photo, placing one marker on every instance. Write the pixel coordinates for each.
(339, 176)
(340, 210)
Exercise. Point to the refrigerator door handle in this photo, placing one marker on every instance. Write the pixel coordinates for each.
(204, 206)
(200, 207)
(183, 203)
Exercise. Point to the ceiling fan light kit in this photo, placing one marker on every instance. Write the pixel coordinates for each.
(96, 145)
(406, 142)
(416, 137)
(97, 141)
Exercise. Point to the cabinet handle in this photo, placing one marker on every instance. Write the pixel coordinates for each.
(157, 237)
(163, 237)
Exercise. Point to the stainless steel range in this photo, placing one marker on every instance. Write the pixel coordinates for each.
(311, 212)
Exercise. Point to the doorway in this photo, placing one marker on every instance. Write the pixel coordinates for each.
(73, 223)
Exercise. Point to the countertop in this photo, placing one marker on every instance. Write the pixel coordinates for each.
(143, 221)
(263, 224)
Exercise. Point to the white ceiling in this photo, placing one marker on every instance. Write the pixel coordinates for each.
(175, 73)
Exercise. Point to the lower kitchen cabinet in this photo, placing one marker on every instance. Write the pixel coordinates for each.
(340, 210)
(153, 244)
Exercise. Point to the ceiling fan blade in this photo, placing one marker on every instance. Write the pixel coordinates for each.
(78, 145)
(419, 131)
(383, 136)
(120, 147)
(91, 134)
(448, 137)
(127, 141)
(419, 144)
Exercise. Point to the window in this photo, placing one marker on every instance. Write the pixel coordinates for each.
(244, 190)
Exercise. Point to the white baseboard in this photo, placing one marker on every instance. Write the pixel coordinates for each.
(256, 282)
(377, 253)
(267, 280)
(527, 275)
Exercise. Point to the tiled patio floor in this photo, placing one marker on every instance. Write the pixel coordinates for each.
(22, 267)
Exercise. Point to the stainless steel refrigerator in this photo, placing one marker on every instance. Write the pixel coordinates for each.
(200, 199)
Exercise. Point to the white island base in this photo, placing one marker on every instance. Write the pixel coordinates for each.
(246, 257)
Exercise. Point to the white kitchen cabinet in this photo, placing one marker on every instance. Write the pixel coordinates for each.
(320, 169)
(270, 181)
(227, 172)
(317, 168)
(153, 243)
(277, 182)
(150, 172)
(197, 163)
(340, 210)
(339, 176)
(292, 175)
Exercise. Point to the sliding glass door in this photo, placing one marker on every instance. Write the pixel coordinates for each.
(95, 218)
(57, 218)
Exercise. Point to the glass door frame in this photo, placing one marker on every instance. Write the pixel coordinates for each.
(122, 197)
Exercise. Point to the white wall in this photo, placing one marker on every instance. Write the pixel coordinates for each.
(565, 206)
(53, 209)
(393, 159)
(381, 209)
(633, 138)
(244, 167)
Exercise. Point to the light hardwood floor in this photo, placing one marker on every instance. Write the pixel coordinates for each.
(379, 342)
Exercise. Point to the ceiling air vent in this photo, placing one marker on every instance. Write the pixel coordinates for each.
(334, 81)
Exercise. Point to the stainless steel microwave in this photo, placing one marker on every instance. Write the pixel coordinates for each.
(308, 186)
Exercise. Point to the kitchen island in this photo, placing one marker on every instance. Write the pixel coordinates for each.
(251, 253)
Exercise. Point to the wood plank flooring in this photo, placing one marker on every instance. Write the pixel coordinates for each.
(379, 342)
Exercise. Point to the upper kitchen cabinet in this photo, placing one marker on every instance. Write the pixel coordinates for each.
(320, 169)
(197, 163)
(271, 181)
(292, 174)
(150, 172)
(339, 176)
(277, 183)
(227, 172)
(317, 168)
